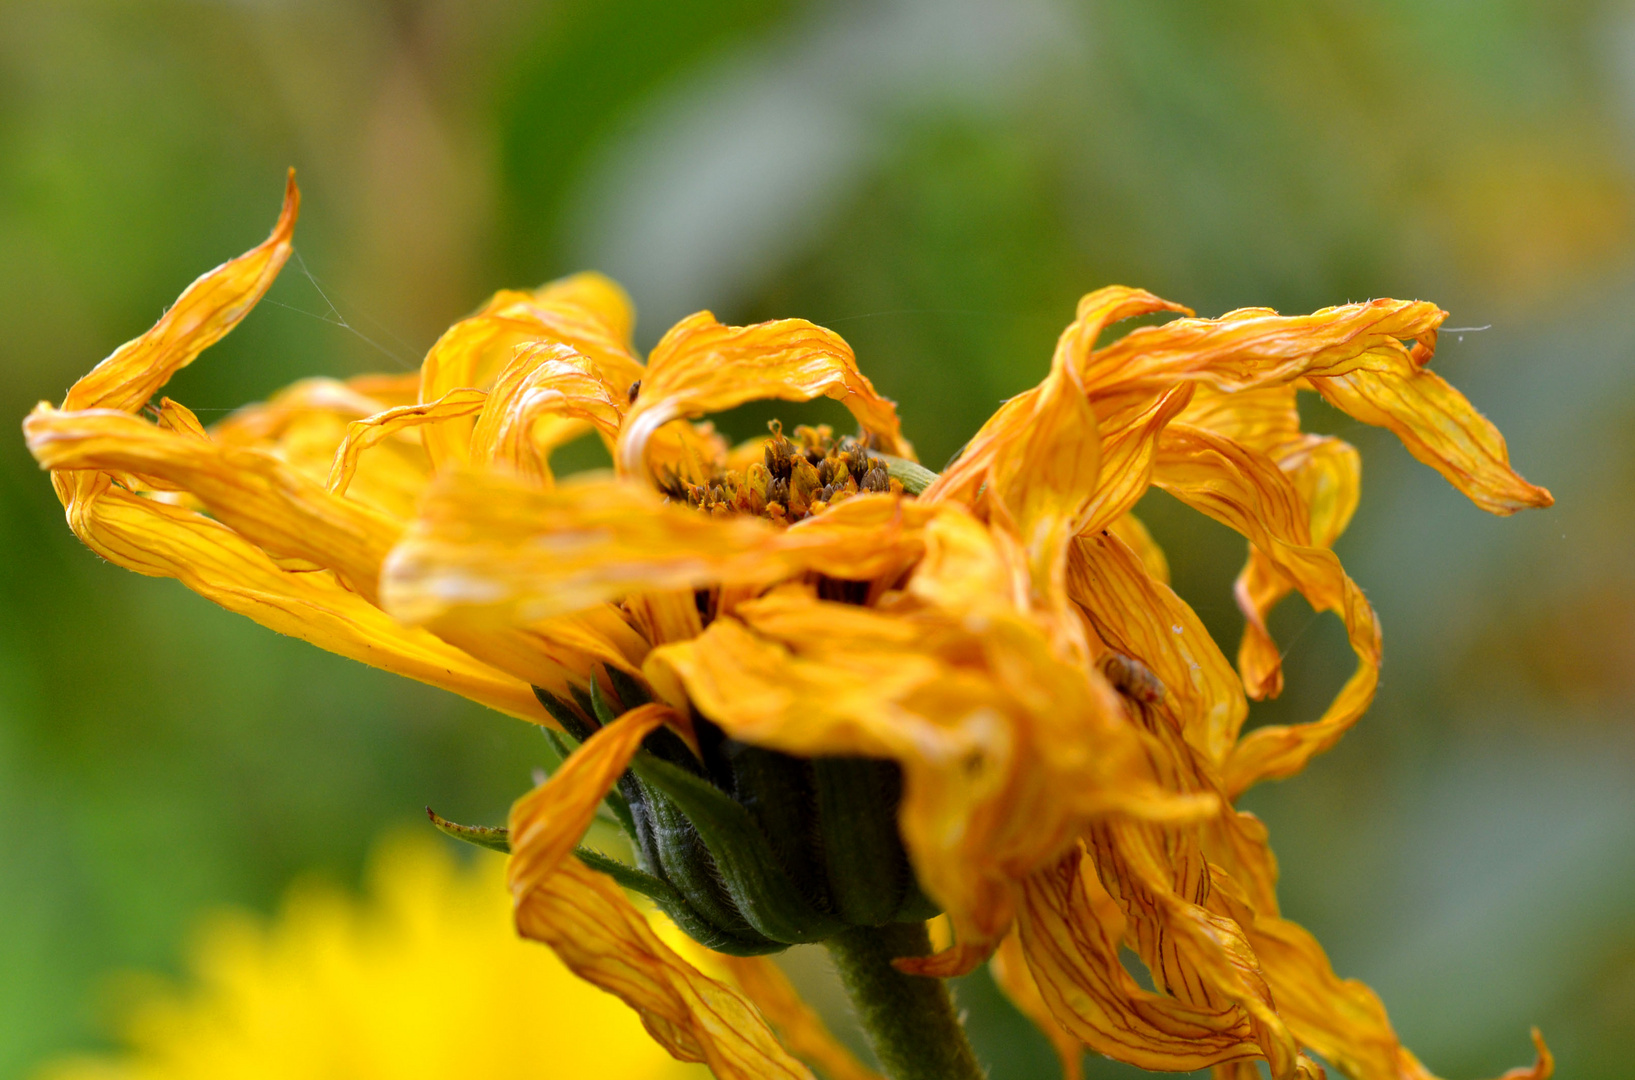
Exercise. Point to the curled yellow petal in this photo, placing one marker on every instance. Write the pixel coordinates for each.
(1142, 618)
(1247, 492)
(259, 496)
(584, 917)
(373, 430)
(545, 397)
(586, 312)
(168, 541)
(701, 367)
(1070, 934)
(1007, 750)
(205, 311)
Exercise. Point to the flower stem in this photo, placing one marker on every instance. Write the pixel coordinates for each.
(910, 1019)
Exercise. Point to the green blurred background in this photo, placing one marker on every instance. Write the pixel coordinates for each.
(938, 180)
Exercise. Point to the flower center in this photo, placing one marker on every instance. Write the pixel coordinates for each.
(795, 478)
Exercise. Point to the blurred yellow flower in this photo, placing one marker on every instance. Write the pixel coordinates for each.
(424, 978)
(827, 692)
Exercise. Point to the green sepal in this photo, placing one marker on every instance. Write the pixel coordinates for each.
(914, 477)
(600, 705)
(857, 820)
(492, 837)
(655, 889)
(629, 689)
(744, 860)
(572, 722)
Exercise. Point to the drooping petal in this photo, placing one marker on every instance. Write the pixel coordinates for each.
(1247, 492)
(1007, 750)
(1355, 357)
(586, 312)
(496, 544)
(701, 366)
(1071, 932)
(160, 540)
(305, 423)
(584, 917)
(550, 820)
(1142, 618)
(798, 1025)
(259, 496)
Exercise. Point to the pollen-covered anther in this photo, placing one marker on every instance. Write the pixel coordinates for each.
(794, 479)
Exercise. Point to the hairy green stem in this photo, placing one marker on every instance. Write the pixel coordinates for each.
(910, 1019)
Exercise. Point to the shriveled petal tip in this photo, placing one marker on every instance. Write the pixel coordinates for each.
(205, 311)
(702, 366)
(584, 917)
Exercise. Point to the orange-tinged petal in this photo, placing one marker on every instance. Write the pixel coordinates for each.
(584, 917)
(259, 496)
(373, 430)
(168, 541)
(494, 543)
(798, 1025)
(1007, 750)
(1247, 492)
(547, 396)
(1010, 971)
(586, 312)
(701, 366)
(1134, 535)
(305, 423)
(1141, 617)
(205, 311)
(1439, 427)
(549, 821)
(1072, 951)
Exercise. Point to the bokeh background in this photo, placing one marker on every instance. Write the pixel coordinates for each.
(938, 180)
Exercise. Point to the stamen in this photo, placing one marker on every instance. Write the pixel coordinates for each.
(794, 479)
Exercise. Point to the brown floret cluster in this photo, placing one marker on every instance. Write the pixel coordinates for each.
(795, 479)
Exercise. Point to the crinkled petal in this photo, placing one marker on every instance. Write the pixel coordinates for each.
(168, 541)
(586, 312)
(547, 396)
(1247, 492)
(1141, 617)
(1071, 940)
(205, 311)
(584, 917)
(371, 431)
(496, 544)
(798, 1025)
(1355, 357)
(305, 423)
(702, 367)
(259, 496)
(1007, 750)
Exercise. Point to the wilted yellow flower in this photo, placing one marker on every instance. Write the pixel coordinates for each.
(827, 691)
(424, 979)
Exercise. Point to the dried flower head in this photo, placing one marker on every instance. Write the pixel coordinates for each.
(824, 689)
